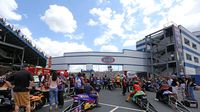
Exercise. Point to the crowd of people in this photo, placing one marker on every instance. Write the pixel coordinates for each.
(57, 85)
(184, 86)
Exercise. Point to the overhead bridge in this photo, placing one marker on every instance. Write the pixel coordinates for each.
(130, 60)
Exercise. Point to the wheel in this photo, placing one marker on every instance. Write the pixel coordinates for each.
(197, 105)
(33, 106)
(43, 101)
(183, 102)
(22, 109)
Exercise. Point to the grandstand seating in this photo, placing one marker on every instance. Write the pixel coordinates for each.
(13, 43)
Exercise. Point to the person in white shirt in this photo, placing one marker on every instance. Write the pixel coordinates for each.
(53, 90)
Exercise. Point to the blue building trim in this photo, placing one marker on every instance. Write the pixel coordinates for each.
(192, 38)
(139, 45)
(190, 50)
(141, 50)
(191, 65)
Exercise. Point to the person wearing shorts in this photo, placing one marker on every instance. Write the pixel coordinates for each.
(22, 82)
(118, 81)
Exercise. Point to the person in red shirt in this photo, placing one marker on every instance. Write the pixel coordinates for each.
(136, 88)
(66, 74)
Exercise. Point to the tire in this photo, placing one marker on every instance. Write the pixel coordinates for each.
(33, 106)
(197, 105)
(22, 109)
(43, 101)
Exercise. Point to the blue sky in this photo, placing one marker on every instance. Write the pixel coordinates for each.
(58, 26)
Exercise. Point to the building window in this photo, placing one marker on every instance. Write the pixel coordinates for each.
(188, 57)
(187, 41)
(194, 46)
(196, 59)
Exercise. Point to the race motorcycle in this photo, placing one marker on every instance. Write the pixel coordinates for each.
(140, 99)
(6, 102)
(81, 103)
(169, 98)
(37, 100)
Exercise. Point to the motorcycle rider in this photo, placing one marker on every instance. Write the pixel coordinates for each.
(136, 88)
(91, 92)
(163, 88)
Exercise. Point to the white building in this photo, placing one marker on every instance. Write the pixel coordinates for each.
(130, 60)
(171, 50)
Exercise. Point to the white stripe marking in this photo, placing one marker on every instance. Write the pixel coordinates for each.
(127, 108)
(114, 109)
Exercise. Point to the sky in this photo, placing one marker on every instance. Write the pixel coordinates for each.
(59, 26)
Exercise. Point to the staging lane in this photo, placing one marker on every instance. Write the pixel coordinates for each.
(110, 101)
(113, 101)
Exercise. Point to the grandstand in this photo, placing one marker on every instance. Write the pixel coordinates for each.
(16, 50)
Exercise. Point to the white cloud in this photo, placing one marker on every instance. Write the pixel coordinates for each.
(8, 8)
(75, 36)
(133, 38)
(139, 18)
(109, 48)
(129, 24)
(115, 25)
(59, 19)
(92, 22)
(103, 1)
(104, 15)
(146, 6)
(147, 21)
(186, 13)
(149, 6)
(27, 32)
(167, 3)
(54, 47)
(57, 48)
(109, 18)
(103, 39)
(110, 21)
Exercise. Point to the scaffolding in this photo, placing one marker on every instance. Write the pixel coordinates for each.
(161, 46)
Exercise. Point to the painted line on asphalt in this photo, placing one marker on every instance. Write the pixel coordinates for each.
(114, 109)
(54, 103)
(122, 107)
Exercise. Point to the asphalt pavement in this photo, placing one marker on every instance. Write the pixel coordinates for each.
(114, 101)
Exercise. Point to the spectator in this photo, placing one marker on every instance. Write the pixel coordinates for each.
(61, 88)
(53, 90)
(175, 85)
(118, 81)
(23, 82)
(79, 82)
(40, 78)
(124, 85)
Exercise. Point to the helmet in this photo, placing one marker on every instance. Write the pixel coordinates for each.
(134, 76)
(136, 82)
(62, 73)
